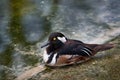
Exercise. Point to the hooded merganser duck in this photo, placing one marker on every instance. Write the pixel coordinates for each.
(62, 51)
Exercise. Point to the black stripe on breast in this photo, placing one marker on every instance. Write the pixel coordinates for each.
(50, 58)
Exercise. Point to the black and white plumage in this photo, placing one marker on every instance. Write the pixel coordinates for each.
(62, 51)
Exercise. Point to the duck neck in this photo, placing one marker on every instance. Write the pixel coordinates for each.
(53, 48)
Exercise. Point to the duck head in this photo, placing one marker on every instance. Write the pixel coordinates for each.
(56, 40)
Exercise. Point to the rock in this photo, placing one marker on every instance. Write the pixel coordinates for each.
(28, 74)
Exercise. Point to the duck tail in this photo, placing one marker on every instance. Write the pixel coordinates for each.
(100, 47)
(103, 47)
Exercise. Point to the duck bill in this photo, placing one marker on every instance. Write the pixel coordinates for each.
(46, 44)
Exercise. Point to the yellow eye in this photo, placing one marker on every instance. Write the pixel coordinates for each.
(54, 38)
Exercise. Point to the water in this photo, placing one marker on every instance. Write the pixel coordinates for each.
(26, 24)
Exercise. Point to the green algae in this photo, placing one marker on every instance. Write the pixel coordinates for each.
(30, 59)
(15, 27)
(6, 56)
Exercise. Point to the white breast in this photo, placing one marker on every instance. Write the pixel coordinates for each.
(46, 57)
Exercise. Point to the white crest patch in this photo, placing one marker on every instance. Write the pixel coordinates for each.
(62, 39)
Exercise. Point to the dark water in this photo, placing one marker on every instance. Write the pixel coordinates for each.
(26, 24)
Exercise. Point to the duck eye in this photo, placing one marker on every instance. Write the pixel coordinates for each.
(54, 38)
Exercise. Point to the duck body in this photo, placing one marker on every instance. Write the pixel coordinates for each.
(61, 51)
